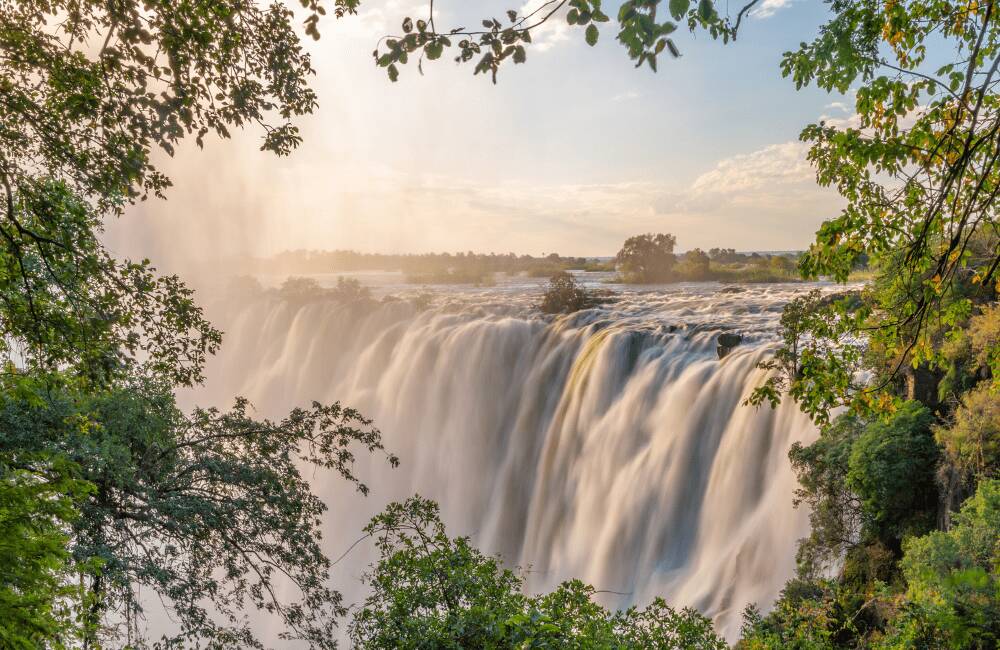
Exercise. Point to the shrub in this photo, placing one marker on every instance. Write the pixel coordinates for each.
(647, 258)
(892, 470)
(954, 577)
(433, 591)
(971, 445)
(695, 266)
(564, 295)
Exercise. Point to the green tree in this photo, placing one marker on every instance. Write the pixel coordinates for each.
(868, 485)
(892, 470)
(971, 444)
(38, 601)
(647, 258)
(954, 579)
(834, 509)
(918, 174)
(431, 590)
(208, 512)
(564, 295)
(695, 265)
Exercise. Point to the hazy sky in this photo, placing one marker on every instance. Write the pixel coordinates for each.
(570, 153)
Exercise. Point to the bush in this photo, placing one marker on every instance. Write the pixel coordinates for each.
(695, 266)
(834, 510)
(971, 445)
(892, 470)
(647, 258)
(564, 295)
(433, 591)
(954, 577)
(298, 289)
(350, 290)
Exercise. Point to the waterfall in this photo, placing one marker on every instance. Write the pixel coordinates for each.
(609, 445)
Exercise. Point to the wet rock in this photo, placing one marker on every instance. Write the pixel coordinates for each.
(726, 342)
(732, 289)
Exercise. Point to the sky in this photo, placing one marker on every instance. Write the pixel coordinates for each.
(571, 152)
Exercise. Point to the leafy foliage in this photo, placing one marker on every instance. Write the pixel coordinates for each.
(645, 29)
(868, 485)
(834, 509)
(67, 304)
(919, 175)
(207, 509)
(971, 445)
(821, 357)
(91, 88)
(564, 295)
(38, 494)
(892, 470)
(103, 478)
(647, 258)
(695, 265)
(430, 590)
(954, 578)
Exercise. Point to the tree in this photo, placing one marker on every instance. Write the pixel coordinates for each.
(868, 484)
(647, 258)
(892, 470)
(564, 295)
(919, 175)
(695, 265)
(431, 590)
(38, 495)
(954, 579)
(208, 511)
(970, 444)
(834, 509)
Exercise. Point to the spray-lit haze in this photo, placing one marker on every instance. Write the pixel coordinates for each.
(570, 153)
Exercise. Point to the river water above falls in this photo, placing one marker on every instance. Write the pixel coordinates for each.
(609, 445)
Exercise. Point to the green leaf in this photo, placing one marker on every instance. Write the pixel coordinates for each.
(434, 50)
(678, 8)
(706, 10)
(592, 34)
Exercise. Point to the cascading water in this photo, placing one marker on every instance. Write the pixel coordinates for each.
(609, 445)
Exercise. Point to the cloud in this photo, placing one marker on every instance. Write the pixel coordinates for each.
(376, 20)
(765, 199)
(770, 7)
(553, 31)
(775, 166)
(628, 95)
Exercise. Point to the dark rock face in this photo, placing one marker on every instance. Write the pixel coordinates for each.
(726, 342)
(922, 385)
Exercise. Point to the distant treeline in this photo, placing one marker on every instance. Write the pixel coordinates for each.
(725, 264)
(430, 268)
